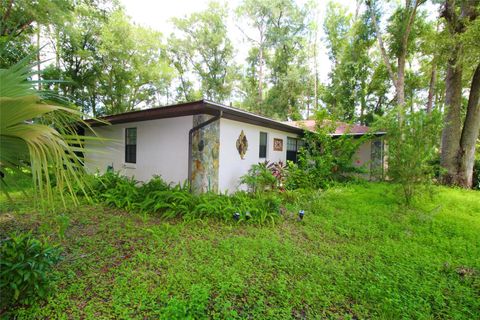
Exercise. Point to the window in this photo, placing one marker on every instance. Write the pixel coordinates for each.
(293, 147)
(262, 153)
(377, 159)
(131, 145)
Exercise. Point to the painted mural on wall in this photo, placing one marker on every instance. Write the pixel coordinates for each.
(205, 154)
(242, 145)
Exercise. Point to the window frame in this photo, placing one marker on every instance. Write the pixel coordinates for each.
(128, 146)
(299, 143)
(260, 145)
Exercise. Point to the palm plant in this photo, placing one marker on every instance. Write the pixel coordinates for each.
(39, 135)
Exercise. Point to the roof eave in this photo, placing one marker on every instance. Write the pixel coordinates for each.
(194, 108)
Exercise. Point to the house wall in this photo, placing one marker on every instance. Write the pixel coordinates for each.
(363, 158)
(162, 149)
(363, 155)
(231, 166)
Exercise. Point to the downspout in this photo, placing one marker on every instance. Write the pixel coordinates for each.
(190, 139)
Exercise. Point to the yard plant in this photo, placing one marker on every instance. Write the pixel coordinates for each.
(25, 268)
(172, 201)
(357, 253)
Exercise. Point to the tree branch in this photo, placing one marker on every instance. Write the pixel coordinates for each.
(7, 14)
(381, 45)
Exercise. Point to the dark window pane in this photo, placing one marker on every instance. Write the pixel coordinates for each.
(292, 156)
(263, 145)
(263, 138)
(131, 154)
(131, 145)
(293, 148)
(263, 152)
(300, 144)
(291, 144)
(131, 136)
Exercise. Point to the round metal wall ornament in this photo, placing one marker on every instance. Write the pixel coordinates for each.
(201, 145)
(242, 145)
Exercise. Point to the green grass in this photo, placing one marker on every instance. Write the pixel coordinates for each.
(357, 254)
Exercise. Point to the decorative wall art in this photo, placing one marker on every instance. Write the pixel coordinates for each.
(277, 144)
(242, 145)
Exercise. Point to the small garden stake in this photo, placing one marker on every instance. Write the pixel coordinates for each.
(301, 213)
(236, 216)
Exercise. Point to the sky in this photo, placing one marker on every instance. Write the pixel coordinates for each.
(157, 15)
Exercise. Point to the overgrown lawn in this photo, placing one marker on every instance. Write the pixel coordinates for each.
(358, 253)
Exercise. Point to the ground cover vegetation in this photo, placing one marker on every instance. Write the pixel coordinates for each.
(357, 253)
(158, 197)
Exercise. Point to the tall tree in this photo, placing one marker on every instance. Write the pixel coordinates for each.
(258, 14)
(21, 19)
(460, 132)
(279, 55)
(178, 54)
(210, 52)
(78, 61)
(405, 18)
(349, 40)
(134, 65)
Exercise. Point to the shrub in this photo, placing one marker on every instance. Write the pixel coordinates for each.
(280, 171)
(261, 207)
(25, 268)
(476, 175)
(99, 184)
(412, 150)
(265, 176)
(324, 159)
(259, 178)
(298, 177)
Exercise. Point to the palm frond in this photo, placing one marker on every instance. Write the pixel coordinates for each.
(41, 135)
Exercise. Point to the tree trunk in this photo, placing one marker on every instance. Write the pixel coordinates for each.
(433, 79)
(399, 79)
(431, 87)
(400, 87)
(315, 65)
(260, 74)
(470, 133)
(458, 145)
(453, 124)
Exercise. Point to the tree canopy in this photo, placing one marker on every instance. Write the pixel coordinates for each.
(382, 56)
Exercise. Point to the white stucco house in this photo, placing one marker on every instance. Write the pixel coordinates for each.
(209, 144)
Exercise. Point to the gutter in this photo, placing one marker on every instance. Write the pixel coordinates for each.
(190, 139)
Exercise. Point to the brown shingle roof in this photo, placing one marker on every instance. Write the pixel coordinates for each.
(340, 127)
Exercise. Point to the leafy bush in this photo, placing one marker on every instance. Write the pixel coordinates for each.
(25, 268)
(259, 178)
(324, 159)
(99, 184)
(299, 177)
(476, 175)
(265, 176)
(412, 150)
(125, 195)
